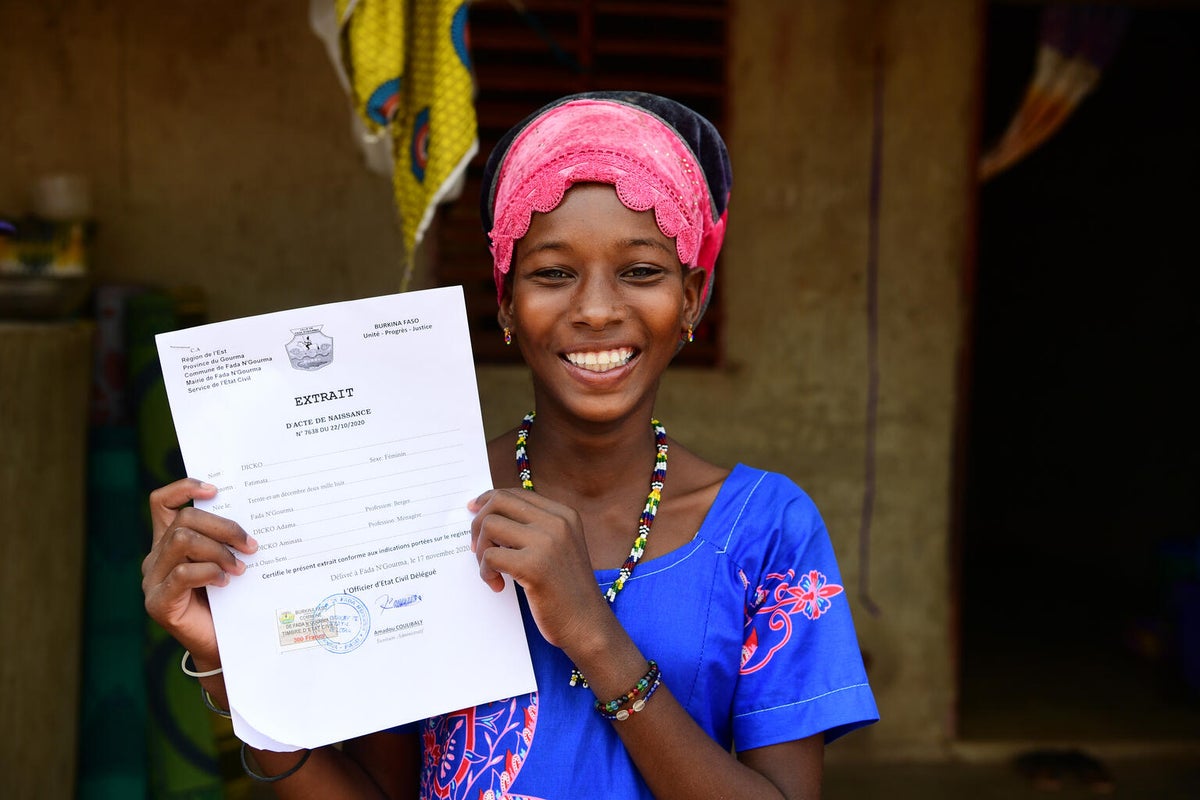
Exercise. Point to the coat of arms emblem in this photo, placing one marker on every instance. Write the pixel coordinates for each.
(310, 349)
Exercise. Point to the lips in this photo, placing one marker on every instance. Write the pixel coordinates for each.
(600, 360)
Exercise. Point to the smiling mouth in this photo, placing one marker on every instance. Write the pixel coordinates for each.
(601, 360)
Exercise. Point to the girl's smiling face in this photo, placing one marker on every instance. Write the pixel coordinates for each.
(598, 302)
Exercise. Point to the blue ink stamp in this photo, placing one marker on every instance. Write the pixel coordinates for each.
(341, 623)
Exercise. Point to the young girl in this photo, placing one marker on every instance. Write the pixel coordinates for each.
(690, 635)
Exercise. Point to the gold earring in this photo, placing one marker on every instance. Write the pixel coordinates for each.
(507, 335)
(689, 335)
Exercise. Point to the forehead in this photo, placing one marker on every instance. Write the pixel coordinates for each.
(593, 213)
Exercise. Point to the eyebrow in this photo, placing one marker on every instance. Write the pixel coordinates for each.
(648, 243)
(560, 245)
(553, 244)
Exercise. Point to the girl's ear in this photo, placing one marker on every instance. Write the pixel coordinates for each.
(693, 289)
(504, 316)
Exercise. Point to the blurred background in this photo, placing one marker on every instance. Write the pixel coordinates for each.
(957, 304)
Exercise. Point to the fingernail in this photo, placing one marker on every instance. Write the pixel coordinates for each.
(252, 543)
(206, 486)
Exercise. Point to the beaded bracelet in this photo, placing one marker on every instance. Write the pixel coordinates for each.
(271, 779)
(193, 673)
(635, 698)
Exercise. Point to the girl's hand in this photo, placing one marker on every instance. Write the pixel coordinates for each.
(189, 552)
(540, 543)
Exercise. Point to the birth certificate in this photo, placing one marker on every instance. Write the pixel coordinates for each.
(347, 439)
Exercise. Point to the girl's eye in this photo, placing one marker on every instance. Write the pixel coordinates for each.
(552, 274)
(643, 271)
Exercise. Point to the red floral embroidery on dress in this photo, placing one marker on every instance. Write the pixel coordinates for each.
(476, 753)
(771, 608)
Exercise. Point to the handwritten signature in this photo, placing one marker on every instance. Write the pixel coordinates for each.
(386, 601)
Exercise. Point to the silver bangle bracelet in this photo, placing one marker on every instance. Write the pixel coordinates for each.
(183, 664)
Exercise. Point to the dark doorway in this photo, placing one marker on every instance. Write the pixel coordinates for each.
(1081, 527)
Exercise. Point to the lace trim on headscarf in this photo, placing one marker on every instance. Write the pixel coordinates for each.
(638, 188)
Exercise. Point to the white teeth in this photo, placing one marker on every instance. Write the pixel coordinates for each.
(601, 361)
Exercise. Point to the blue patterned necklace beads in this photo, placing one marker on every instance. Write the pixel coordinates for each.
(644, 522)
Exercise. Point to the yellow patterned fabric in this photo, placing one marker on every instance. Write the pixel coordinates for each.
(409, 75)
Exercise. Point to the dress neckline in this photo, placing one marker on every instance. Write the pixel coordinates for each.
(737, 478)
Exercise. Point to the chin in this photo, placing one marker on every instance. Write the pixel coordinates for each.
(601, 409)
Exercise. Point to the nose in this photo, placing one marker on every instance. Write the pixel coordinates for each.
(598, 302)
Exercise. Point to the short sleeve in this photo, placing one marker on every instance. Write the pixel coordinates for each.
(801, 667)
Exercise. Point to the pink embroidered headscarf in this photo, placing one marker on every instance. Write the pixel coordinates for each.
(657, 153)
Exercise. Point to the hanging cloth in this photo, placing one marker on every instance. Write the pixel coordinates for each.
(405, 66)
(1075, 43)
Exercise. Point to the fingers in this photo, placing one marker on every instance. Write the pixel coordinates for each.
(492, 541)
(215, 527)
(497, 527)
(177, 603)
(169, 508)
(516, 498)
(166, 501)
(521, 506)
(540, 544)
(519, 533)
(182, 578)
(198, 537)
(497, 507)
(191, 547)
(191, 554)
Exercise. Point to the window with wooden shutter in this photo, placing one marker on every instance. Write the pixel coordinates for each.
(526, 54)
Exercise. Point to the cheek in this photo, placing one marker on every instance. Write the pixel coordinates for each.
(666, 319)
(671, 305)
(528, 308)
(532, 316)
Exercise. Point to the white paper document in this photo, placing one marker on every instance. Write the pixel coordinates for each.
(347, 439)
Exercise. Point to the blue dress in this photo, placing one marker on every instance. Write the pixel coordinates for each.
(749, 624)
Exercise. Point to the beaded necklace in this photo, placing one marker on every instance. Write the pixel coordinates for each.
(644, 522)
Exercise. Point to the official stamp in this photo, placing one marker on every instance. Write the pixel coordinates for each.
(341, 623)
